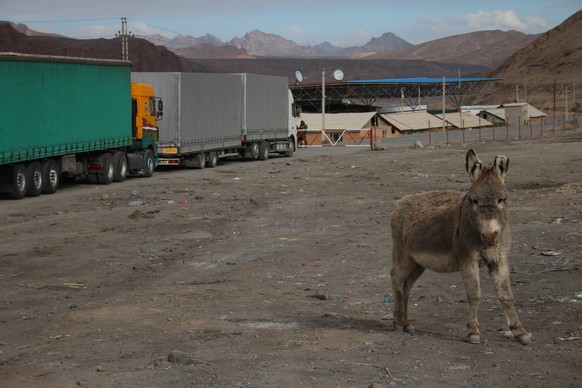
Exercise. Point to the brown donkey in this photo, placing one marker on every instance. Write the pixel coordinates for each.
(449, 231)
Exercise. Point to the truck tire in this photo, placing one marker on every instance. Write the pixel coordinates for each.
(18, 181)
(50, 176)
(149, 164)
(264, 150)
(34, 179)
(211, 159)
(201, 160)
(289, 152)
(106, 177)
(120, 166)
(254, 151)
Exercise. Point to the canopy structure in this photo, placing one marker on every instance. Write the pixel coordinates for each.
(340, 95)
(463, 120)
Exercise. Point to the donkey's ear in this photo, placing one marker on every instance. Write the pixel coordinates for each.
(500, 166)
(473, 165)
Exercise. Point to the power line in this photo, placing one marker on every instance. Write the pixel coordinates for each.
(66, 21)
(154, 26)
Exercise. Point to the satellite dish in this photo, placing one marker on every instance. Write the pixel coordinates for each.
(338, 75)
(298, 76)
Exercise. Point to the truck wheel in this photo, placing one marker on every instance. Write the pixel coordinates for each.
(34, 179)
(120, 167)
(254, 151)
(289, 152)
(18, 181)
(50, 176)
(150, 164)
(264, 150)
(201, 160)
(106, 177)
(211, 159)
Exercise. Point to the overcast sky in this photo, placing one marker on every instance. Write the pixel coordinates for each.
(341, 22)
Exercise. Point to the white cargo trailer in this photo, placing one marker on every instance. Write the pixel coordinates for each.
(208, 116)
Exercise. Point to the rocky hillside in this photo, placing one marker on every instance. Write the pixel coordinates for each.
(388, 42)
(554, 58)
(182, 41)
(270, 45)
(489, 48)
(211, 51)
(143, 55)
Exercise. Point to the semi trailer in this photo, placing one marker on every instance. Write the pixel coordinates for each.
(209, 116)
(73, 117)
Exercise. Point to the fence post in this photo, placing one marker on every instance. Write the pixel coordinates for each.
(429, 135)
(494, 126)
(519, 127)
(530, 128)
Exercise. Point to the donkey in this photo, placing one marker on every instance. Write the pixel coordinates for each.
(449, 231)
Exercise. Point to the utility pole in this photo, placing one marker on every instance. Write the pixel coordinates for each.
(323, 67)
(124, 34)
(516, 94)
(444, 112)
(525, 85)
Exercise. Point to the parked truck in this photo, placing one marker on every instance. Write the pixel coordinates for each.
(73, 117)
(209, 116)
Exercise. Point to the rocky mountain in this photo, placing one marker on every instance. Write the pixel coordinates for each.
(23, 28)
(489, 48)
(386, 43)
(182, 41)
(545, 68)
(211, 51)
(271, 45)
(328, 48)
(259, 43)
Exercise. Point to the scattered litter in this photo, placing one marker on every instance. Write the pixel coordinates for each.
(550, 253)
(388, 299)
(77, 286)
(289, 238)
(579, 295)
(136, 203)
(571, 338)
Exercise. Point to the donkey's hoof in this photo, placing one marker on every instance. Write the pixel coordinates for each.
(474, 339)
(525, 339)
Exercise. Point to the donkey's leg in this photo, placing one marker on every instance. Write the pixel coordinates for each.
(402, 266)
(397, 290)
(470, 273)
(499, 273)
(408, 283)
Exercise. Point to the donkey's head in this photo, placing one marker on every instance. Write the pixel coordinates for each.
(487, 196)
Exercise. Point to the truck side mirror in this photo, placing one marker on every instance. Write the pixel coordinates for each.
(160, 110)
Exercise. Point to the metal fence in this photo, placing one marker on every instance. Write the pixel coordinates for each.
(552, 126)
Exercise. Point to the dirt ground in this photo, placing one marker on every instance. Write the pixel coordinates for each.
(276, 273)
